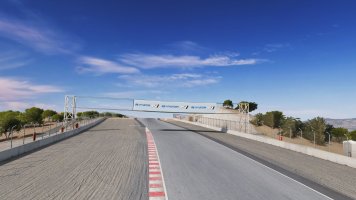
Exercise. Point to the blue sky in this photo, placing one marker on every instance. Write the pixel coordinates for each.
(294, 56)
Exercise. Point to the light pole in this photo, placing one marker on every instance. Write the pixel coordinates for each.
(290, 132)
(301, 133)
(56, 127)
(329, 139)
(24, 133)
(347, 138)
(348, 146)
(313, 134)
(34, 132)
(42, 130)
(49, 131)
(50, 124)
(12, 133)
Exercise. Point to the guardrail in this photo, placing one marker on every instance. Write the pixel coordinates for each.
(223, 124)
(59, 127)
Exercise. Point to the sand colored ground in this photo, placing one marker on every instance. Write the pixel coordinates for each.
(29, 130)
(335, 147)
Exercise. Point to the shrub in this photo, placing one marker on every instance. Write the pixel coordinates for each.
(317, 126)
(339, 133)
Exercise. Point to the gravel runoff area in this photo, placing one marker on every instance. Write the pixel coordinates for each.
(299, 166)
(108, 161)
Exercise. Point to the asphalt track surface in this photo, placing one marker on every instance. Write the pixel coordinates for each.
(108, 161)
(195, 167)
(334, 180)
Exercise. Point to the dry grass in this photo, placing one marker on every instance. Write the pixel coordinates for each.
(29, 130)
(267, 131)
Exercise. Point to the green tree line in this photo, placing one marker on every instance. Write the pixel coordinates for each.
(229, 104)
(9, 119)
(294, 126)
(93, 114)
(34, 115)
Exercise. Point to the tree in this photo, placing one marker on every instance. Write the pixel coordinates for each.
(8, 119)
(48, 113)
(90, 114)
(58, 117)
(273, 119)
(258, 119)
(79, 114)
(251, 106)
(317, 126)
(290, 125)
(34, 115)
(352, 135)
(228, 103)
(119, 115)
(107, 114)
(22, 118)
(328, 130)
(339, 133)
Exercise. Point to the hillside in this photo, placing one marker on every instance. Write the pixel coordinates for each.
(345, 123)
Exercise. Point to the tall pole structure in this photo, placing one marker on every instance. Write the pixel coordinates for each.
(70, 104)
(244, 109)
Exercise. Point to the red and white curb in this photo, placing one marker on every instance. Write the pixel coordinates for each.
(156, 188)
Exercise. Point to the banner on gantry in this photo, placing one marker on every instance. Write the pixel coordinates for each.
(174, 107)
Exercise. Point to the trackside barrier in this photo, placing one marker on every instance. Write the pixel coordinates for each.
(16, 151)
(333, 157)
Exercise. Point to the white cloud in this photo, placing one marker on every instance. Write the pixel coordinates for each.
(19, 105)
(200, 82)
(188, 46)
(36, 36)
(174, 80)
(132, 93)
(11, 59)
(149, 61)
(101, 66)
(14, 89)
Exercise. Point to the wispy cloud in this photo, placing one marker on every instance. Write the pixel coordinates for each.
(272, 47)
(132, 93)
(20, 105)
(275, 47)
(149, 61)
(188, 46)
(100, 66)
(36, 35)
(15, 89)
(174, 80)
(10, 60)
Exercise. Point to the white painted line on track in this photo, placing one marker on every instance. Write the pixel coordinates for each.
(275, 171)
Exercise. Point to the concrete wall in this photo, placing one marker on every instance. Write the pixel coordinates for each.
(16, 151)
(333, 157)
(349, 148)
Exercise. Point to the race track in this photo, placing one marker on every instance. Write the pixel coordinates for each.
(195, 167)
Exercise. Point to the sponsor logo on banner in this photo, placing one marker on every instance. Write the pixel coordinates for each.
(161, 106)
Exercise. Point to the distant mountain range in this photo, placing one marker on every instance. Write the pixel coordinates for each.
(344, 123)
